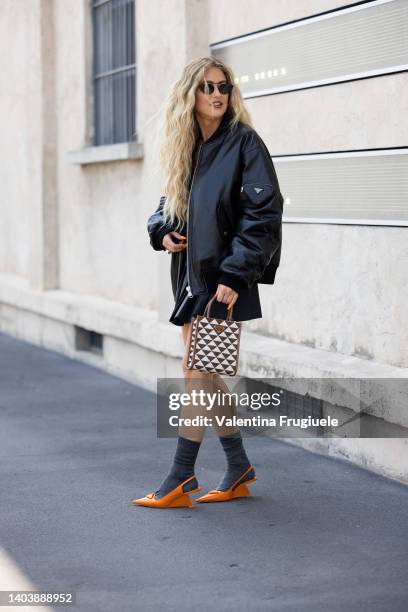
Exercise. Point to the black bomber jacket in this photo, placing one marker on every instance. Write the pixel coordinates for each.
(234, 223)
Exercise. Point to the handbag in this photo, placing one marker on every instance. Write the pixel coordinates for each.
(214, 343)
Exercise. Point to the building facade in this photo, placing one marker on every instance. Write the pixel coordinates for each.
(325, 82)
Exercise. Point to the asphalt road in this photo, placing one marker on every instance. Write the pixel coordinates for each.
(77, 444)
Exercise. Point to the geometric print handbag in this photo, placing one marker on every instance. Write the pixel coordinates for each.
(214, 343)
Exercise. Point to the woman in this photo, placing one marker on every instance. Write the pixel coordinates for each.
(221, 220)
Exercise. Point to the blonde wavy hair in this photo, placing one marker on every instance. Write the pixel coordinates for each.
(179, 129)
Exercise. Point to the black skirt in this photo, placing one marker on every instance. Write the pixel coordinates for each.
(245, 308)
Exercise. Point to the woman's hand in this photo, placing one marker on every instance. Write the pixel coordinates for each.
(226, 295)
(174, 247)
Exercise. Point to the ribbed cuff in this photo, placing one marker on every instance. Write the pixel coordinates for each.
(231, 280)
(160, 234)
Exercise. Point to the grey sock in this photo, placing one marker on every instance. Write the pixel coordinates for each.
(237, 459)
(182, 468)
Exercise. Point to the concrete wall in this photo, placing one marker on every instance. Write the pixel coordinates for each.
(229, 18)
(20, 104)
(104, 246)
(102, 206)
(339, 287)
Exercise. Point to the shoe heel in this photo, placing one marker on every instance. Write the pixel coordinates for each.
(241, 491)
(183, 501)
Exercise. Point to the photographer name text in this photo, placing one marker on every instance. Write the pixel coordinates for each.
(252, 421)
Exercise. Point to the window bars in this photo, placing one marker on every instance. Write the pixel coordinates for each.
(114, 71)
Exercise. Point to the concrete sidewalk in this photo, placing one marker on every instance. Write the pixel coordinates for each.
(77, 444)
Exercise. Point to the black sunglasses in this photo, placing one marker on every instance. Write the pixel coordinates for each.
(223, 88)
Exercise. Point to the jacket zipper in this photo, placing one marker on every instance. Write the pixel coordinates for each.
(188, 288)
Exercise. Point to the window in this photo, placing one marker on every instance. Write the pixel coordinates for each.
(360, 187)
(114, 71)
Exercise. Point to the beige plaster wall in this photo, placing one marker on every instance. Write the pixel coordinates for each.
(229, 18)
(103, 208)
(20, 78)
(339, 287)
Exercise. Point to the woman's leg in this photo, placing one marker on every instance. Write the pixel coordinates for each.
(212, 384)
(181, 478)
(189, 437)
(194, 380)
(229, 435)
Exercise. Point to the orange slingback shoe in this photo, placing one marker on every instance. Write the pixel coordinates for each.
(238, 489)
(176, 498)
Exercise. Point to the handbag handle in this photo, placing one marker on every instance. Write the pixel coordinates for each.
(209, 304)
